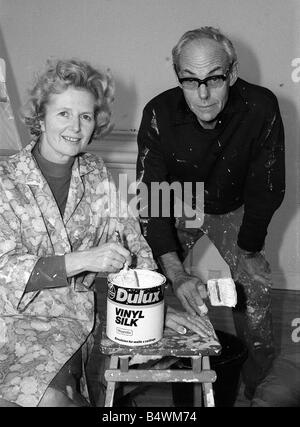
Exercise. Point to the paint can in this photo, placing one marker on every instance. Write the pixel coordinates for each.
(135, 307)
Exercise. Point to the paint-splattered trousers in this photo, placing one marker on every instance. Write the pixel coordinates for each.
(252, 315)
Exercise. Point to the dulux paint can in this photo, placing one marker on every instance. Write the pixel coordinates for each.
(135, 314)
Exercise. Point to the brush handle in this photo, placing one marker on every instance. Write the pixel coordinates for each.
(136, 279)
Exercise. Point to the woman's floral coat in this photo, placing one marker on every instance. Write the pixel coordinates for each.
(40, 331)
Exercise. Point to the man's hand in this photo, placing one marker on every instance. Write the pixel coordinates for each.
(180, 321)
(188, 289)
(253, 265)
(190, 292)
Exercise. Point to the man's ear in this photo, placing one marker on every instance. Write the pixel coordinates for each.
(233, 75)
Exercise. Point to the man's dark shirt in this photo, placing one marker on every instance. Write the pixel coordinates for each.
(241, 161)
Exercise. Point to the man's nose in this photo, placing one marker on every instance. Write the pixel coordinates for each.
(203, 91)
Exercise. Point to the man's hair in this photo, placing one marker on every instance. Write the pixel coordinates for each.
(200, 34)
(58, 77)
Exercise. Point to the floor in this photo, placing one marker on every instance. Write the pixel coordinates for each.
(285, 310)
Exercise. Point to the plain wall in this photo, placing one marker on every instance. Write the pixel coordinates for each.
(134, 39)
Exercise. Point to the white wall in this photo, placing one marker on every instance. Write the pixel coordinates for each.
(134, 38)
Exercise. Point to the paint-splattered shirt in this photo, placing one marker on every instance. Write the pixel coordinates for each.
(240, 161)
(41, 330)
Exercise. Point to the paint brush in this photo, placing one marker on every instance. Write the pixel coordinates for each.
(126, 267)
(119, 240)
(136, 279)
(118, 237)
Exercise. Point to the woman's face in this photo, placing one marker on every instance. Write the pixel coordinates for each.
(68, 124)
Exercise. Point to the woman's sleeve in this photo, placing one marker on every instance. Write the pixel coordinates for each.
(22, 274)
(49, 272)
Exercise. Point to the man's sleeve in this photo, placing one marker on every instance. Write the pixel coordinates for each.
(265, 184)
(158, 230)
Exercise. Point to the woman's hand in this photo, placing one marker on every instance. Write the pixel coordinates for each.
(107, 258)
(180, 321)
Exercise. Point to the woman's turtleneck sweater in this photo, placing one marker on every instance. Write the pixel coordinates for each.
(50, 272)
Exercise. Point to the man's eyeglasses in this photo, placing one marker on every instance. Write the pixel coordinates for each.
(212, 82)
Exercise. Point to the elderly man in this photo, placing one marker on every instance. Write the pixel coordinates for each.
(217, 129)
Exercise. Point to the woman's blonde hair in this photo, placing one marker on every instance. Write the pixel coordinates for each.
(59, 76)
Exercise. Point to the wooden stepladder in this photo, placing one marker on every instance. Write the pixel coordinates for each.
(164, 354)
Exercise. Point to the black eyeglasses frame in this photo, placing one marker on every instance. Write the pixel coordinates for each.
(204, 81)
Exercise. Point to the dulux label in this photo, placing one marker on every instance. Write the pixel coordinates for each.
(135, 296)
